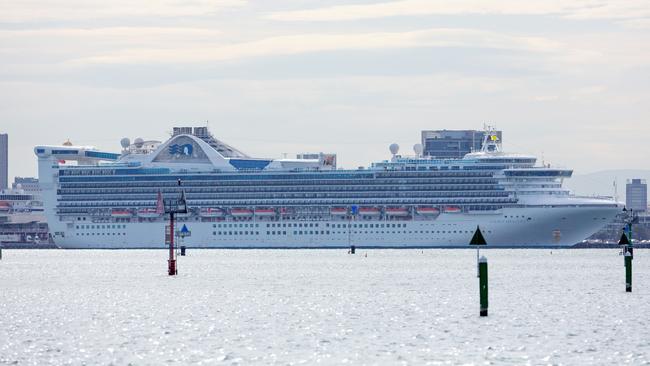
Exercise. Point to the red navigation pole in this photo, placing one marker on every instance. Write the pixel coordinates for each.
(173, 207)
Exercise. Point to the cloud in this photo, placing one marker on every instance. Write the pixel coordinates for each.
(67, 10)
(578, 9)
(305, 43)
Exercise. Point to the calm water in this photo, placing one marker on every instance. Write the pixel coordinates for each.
(308, 306)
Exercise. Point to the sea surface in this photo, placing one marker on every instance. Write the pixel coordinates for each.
(388, 307)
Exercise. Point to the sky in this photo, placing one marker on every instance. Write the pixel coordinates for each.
(568, 81)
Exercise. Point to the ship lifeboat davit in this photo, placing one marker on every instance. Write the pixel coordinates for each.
(264, 212)
(427, 211)
(211, 212)
(369, 211)
(397, 211)
(452, 209)
(338, 211)
(148, 213)
(121, 213)
(241, 212)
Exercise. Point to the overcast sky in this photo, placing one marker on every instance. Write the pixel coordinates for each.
(569, 80)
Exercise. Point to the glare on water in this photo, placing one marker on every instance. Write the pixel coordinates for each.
(308, 306)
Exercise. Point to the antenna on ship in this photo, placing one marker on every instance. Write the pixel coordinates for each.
(394, 149)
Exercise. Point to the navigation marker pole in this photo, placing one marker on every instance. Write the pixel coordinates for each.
(625, 242)
(482, 265)
(628, 248)
(173, 207)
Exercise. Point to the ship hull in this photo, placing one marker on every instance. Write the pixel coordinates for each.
(511, 227)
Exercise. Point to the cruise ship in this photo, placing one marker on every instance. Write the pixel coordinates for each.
(97, 199)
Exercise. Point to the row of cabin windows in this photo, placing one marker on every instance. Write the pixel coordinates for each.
(327, 232)
(98, 234)
(272, 225)
(86, 227)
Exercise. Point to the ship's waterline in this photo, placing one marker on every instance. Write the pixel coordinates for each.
(116, 200)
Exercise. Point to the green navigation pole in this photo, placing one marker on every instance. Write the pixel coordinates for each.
(627, 255)
(628, 272)
(482, 265)
(483, 284)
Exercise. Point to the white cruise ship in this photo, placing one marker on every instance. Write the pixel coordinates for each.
(95, 199)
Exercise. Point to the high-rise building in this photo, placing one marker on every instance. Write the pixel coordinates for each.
(452, 143)
(4, 161)
(636, 195)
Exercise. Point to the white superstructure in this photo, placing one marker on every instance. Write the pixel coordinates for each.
(95, 199)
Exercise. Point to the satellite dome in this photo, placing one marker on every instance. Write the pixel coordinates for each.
(138, 142)
(417, 148)
(394, 149)
(125, 142)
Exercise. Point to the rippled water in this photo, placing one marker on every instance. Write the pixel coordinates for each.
(307, 306)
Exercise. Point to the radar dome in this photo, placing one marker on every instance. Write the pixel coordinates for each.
(394, 149)
(417, 148)
(138, 142)
(125, 142)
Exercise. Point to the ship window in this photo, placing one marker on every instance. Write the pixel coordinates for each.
(284, 233)
(311, 233)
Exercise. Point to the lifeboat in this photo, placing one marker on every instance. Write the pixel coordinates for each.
(264, 212)
(452, 209)
(211, 212)
(148, 213)
(397, 211)
(5, 206)
(338, 211)
(427, 211)
(241, 212)
(121, 213)
(369, 211)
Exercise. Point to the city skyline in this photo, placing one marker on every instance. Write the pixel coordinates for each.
(568, 83)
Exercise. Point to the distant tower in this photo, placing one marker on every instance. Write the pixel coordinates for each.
(4, 161)
(636, 195)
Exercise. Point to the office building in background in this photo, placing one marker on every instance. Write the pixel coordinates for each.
(636, 195)
(4, 161)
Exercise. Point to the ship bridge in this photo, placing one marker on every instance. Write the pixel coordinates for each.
(69, 152)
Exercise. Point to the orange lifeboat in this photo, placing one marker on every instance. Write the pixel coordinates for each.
(427, 211)
(241, 212)
(369, 211)
(121, 213)
(452, 209)
(211, 212)
(338, 211)
(264, 212)
(148, 213)
(5, 206)
(397, 211)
